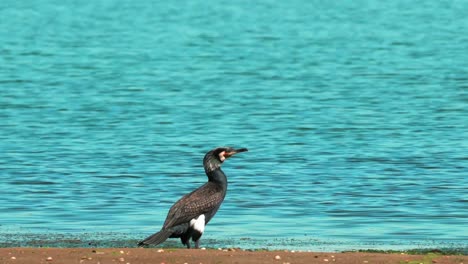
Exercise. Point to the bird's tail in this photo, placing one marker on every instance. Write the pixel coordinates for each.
(157, 238)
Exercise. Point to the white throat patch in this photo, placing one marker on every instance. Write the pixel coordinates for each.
(221, 156)
(198, 223)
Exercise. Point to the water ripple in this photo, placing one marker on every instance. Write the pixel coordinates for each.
(356, 130)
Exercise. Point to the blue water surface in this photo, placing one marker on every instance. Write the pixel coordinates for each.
(355, 114)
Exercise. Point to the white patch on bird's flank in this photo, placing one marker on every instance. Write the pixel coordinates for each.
(198, 223)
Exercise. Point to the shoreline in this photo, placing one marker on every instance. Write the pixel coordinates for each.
(19, 255)
(23, 239)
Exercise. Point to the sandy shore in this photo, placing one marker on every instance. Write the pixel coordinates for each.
(157, 256)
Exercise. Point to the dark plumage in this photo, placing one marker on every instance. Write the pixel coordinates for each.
(189, 215)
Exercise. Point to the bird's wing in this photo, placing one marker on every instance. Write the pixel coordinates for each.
(204, 199)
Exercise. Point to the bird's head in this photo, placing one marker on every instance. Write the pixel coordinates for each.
(214, 158)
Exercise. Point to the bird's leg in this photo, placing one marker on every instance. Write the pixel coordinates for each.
(197, 243)
(196, 238)
(185, 241)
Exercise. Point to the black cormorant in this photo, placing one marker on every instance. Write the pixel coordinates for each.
(189, 215)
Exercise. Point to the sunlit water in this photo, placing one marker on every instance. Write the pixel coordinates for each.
(355, 114)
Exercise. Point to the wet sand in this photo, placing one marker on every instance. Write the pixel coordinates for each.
(158, 256)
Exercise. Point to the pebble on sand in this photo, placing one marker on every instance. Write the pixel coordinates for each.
(49, 259)
(277, 257)
(13, 258)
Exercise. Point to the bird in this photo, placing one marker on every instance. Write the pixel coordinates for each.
(188, 216)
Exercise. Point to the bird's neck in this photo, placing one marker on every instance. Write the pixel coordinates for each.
(217, 176)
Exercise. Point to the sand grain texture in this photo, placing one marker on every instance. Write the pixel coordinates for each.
(175, 256)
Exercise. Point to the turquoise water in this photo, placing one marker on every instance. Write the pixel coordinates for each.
(355, 114)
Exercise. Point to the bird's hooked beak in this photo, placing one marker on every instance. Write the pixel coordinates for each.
(229, 153)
